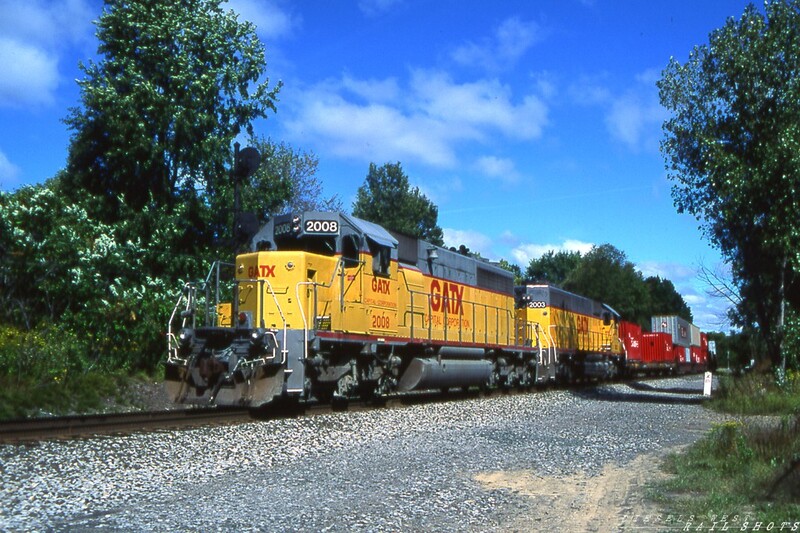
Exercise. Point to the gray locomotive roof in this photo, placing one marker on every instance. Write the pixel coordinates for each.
(558, 297)
(452, 265)
(373, 231)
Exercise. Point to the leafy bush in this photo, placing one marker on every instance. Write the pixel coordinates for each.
(791, 340)
(747, 467)
(80, 295)
(80, 393)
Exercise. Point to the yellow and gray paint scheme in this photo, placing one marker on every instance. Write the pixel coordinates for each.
(327, 305)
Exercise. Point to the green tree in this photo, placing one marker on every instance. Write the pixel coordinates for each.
(665, 300)
(67, 276)
(605, 274)
(387, 198)
(286, 180)
(177, 81)
(553, 268)
(732, 148)
(514, 269)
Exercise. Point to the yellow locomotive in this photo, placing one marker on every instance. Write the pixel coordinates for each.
(582, 333)
(327, 305)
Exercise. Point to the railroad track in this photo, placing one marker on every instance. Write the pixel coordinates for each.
(81, 426)
(32, 430)
(76, 426)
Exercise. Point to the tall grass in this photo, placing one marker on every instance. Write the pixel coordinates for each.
(759, 394)
(76, 394)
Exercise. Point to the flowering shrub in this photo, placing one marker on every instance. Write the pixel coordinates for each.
(78, 294)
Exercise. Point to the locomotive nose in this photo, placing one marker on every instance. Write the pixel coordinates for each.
(210, 369)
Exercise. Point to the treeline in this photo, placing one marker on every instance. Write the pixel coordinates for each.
(605, 274)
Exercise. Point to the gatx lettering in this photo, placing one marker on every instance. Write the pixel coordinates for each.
(265, 271)
(447, 296)
(380, 285)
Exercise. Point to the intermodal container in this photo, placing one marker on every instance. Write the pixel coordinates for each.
(703, 348)
(677, 327)
(632, 339)
(695, 335)
(682, 354)
(656, 348)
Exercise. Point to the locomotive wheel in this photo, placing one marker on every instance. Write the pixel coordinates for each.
(323, 393)
(347, 386)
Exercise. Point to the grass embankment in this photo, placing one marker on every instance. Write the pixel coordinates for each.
(83, 393)
(746, 471)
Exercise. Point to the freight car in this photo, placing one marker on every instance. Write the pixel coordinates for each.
(326, 305)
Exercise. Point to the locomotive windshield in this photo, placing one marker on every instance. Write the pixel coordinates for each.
(315, 244)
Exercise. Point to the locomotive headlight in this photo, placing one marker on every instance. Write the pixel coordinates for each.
(257, 337)
(185, 337)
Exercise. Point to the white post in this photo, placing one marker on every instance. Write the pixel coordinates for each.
(707, 384)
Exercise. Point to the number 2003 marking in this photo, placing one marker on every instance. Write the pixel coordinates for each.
(322, 226)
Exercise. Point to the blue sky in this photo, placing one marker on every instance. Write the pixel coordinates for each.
(531, 125)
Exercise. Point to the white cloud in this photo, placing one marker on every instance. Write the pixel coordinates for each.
(672, 271)
(501, 169)
(370, 132)
(475, 241)
(524, 253)
(511, 39)
(376, 7)
(46, 24)
(474, 107)
(694, 299)
(590, 90)
(373, 90)
(30, 76)
(270, 20)
(635, 117)
(378, 120)
(35, 34)
(8, 173)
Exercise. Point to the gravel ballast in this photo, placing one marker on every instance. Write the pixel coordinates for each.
(410, 468)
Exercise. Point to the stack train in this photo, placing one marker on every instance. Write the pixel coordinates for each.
(326, 305)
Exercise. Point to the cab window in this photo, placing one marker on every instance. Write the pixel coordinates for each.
(350, 247)
(381, 258)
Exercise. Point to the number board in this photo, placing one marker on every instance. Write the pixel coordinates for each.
(283, 229)
(321, 227)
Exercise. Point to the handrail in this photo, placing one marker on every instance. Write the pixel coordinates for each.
(497, 311)
(300, 302)
(277, 305)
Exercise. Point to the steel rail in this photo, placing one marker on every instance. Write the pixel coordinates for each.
(77, 426)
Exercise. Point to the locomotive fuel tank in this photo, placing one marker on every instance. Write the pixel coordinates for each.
(432, 373)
